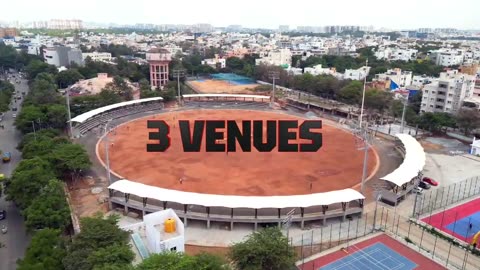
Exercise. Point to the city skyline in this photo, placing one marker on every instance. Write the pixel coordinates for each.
(256, 14)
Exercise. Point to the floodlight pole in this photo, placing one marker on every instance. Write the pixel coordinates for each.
(363, 95)
(179, 73)
(366, 140)
(107, 157)
(274, 75)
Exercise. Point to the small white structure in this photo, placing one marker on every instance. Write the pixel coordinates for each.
(151, 236)
(475, 150)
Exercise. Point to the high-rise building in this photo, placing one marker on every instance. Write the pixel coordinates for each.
(447, 93)
(8, 32)
(61, 56)
(158, 59)
(65, 24)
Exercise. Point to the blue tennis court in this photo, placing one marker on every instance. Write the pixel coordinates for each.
(462, 226)
(375, 257)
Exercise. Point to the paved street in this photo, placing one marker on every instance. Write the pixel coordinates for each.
(16, 239)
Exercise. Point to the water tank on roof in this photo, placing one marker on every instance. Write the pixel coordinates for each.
(170, 225)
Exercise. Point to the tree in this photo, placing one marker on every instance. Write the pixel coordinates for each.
(181, 261)
(71, 159)
(434, 122)
(89, 246)
(28, 117)
(352, 93)
(68, 77)
(8, 56)
(120, 87)
(468, 120)
(111, 255)
(6, 93)
(30, 137)
(49, 209)
(36, 66)
(235, 63)
(45, 252)
(30, 176)
(267, 249)
(56, 115)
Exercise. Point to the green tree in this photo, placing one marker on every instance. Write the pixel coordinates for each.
(267, 249)
(49, 209)
(167, 261)
(468, 120)
(97, 234)
(68, 77)
(56, 116)
(111, 255)
(30, 137)
(71, 159)
(8, 56)
(120, 87)
(6, 93)
(30, 176)
(235, 63)
(45, 252)
(29, 116)
(36, 67)
(351, 93)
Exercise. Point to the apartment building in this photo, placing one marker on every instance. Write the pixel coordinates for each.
(61, 56)
(356, 74)
(399, 77)
(447, 93)
(447, 57)
(421, 80)
(216, 62)
(98, 56)
(281, 57)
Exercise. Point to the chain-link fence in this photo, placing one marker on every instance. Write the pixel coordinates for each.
(439, 198)
(422, 238)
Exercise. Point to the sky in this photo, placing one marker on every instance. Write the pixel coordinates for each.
(400, 14)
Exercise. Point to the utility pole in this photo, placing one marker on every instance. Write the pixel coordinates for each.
(274, 75)
(363, 95)
(178, 73)
(69, 114)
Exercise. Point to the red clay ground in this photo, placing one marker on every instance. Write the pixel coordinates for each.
(337, 165)
(421, 261)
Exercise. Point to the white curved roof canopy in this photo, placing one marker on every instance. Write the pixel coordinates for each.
(412, 164)
(226, 95)
(230, 201)
(85, 116)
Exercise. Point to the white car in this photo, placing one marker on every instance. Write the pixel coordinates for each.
(14, 115)
(418, 190)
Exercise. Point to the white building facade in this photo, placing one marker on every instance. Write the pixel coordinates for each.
(281, 57)
(401, 78)
(98, 56)
(447, 93)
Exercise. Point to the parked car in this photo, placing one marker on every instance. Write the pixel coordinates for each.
(424, 185)
(6, 157)
(418, 190)
(430, 181)
(3, 214)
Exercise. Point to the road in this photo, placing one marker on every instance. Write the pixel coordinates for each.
(16, 240)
